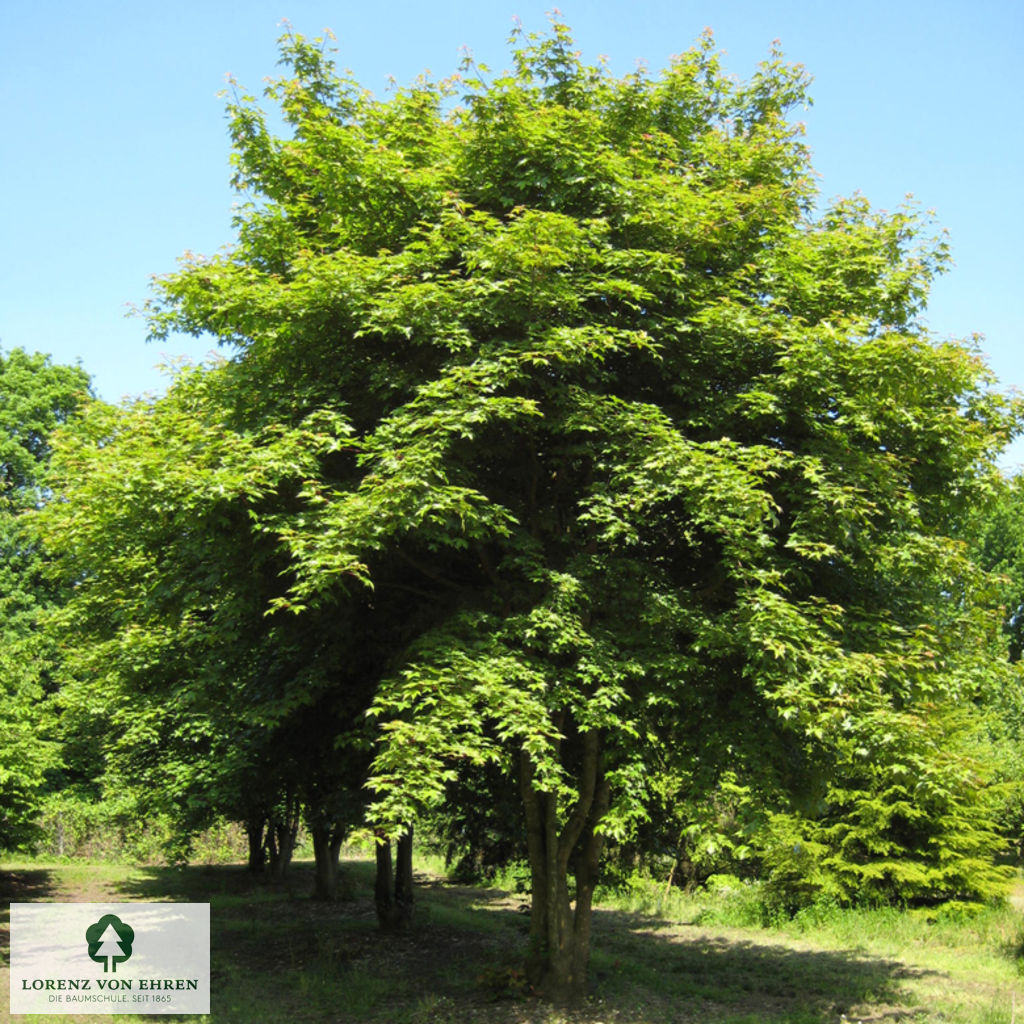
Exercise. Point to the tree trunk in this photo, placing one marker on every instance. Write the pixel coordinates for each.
(282, 832)
(392, 890)
(403, 880)
(559, 951)
(280, 843)
(588, 868)
(326, 848)
(382, 884)
(257, 853)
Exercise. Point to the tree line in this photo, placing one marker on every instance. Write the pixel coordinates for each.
(576, 485)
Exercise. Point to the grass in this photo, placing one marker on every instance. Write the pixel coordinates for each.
(277, 956)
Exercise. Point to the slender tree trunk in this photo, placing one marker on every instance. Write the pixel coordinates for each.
(404, 901)
(325, 868)
(326, 848)
(393, 893)
(588, 869)
(257, 853)
(382, 884)
(559, 951)
(270, 843)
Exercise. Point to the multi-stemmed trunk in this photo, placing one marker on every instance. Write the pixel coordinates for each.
(560, 929)
(282, 833)
(393, 888)
(326, 849)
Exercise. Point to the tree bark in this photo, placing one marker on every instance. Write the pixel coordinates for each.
(559, 951)
(326, 848)
(257, 853)
(393, 891)
(280, 847)
(588, 870)
(382, 884)
(404, 901)
(282, 832)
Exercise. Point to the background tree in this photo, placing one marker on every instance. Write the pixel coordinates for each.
(35, 396)
(628, 459)
(996, 537)
(208, 706)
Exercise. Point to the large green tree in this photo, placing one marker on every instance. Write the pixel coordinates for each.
(610, 449)
(35, 396)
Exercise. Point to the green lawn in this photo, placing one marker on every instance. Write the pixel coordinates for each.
(278, 957)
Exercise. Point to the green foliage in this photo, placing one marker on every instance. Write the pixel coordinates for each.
(35, 396)
(205, 705)
(117, 829)
(127, 828)
(916, 826)
(996, 536)
(998, 542)
(795, 875)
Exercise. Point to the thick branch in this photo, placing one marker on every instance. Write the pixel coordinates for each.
(588, 783)
(531, 806)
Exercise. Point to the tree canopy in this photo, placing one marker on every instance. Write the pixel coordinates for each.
(598, 446)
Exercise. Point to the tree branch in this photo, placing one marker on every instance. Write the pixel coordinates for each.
(588, 783)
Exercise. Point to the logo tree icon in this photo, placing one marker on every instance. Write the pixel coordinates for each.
(110, 941)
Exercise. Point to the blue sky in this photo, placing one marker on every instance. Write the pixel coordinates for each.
(115, 152)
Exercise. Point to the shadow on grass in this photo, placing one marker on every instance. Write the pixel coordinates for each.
(197, 883)
(28, 885)
(667, 969)
(278, 955)
(658, 972)
(721, 976)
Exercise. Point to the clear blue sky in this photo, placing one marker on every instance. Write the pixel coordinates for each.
(115, 152)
